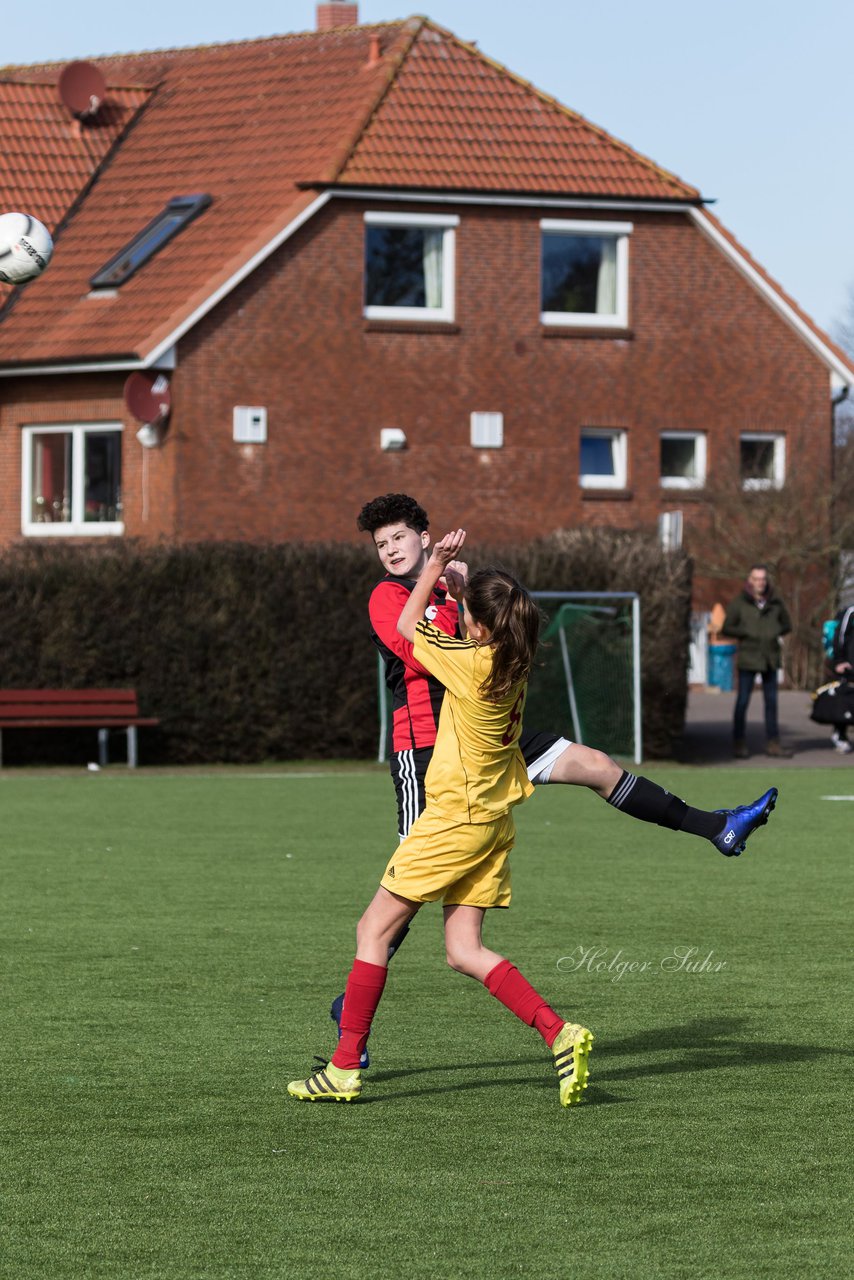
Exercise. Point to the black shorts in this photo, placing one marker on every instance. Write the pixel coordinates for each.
(540, 750)
(409, 769)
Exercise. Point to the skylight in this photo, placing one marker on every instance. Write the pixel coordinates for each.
(171, 219)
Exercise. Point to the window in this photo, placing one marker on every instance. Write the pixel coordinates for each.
(602, 462)
(762, 461)
(683, 460)
(409, 266)
(72, 480)
(172, 219)
(584, 273)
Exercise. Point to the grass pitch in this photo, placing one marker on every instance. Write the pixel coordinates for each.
(171, 945)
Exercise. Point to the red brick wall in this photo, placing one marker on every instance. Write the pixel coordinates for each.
(705, 352)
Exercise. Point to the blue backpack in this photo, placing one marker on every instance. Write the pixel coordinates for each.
(828, 635)
(830, 632)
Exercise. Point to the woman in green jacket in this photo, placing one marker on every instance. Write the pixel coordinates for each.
(757, 619)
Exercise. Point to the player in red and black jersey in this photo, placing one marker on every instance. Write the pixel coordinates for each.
(399, 528)
(402, 544)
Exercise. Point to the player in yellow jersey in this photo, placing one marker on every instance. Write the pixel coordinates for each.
(457, 851)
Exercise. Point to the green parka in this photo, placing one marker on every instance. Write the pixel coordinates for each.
(758, 631)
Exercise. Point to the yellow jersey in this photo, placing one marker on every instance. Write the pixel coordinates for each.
(477, 772)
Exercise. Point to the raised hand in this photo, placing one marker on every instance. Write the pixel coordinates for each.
(445, 550)
(456, 577)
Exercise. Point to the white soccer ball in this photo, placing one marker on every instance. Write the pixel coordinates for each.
(25, 248)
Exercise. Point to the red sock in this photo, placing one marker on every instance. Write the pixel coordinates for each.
(361, 997)
(506, 983)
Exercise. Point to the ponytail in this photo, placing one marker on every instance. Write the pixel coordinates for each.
(499, 603)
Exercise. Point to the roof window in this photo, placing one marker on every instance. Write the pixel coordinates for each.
(169, 221)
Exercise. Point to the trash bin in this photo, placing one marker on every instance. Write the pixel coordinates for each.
(721, 664)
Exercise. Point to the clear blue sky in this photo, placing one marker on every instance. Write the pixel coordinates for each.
(749, 100)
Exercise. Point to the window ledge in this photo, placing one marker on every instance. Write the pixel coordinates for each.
(572, 331)
(410, 326)
(607, 495)
(70, 529)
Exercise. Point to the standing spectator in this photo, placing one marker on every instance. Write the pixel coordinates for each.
(758, 620)
(841, 666)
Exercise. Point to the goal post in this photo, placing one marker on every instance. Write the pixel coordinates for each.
(586, 683)
(588, 670)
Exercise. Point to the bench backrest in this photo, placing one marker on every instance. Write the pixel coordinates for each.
(71, 704)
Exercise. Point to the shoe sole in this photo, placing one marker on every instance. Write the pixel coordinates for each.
(325, 1097)
(760, 822)
(581, 1048)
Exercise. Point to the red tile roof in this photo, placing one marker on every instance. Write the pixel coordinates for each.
(47, 157)
(243, 122)
(455, 118)
(264, 126)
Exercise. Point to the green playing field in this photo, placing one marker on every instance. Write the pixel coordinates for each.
(171, 945)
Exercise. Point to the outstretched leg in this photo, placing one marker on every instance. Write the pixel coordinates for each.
(648, 802)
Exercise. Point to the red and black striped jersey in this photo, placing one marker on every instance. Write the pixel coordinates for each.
(416, 695)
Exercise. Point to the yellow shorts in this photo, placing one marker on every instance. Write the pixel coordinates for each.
(456, 863)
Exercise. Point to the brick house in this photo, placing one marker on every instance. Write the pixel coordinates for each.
(369, 258)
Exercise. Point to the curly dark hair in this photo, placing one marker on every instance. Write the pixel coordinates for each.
(392, 508)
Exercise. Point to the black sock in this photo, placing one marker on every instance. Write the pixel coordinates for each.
(397, 940)
(647, 801)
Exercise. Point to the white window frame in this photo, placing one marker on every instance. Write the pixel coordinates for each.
(700, 454)
(618, 319)
(424, 221)
(76, 527)
(619, 453)
(779, 478)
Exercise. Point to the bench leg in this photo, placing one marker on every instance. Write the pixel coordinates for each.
(132, 757)
(103, 744)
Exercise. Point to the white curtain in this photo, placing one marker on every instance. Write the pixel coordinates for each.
(433, 268)
(606, 285)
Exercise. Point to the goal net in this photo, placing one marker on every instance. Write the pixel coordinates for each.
(587, 681)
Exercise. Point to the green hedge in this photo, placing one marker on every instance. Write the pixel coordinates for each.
(248, 652)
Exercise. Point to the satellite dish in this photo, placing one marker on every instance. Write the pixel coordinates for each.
(82, 88)
(149, 399)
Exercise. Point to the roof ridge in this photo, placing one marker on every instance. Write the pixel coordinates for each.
(340, 160)
(561, 107)
(188, 48)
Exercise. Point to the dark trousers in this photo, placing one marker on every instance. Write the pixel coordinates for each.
(769, 693)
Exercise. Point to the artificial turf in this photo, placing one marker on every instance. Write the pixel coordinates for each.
(170, 948)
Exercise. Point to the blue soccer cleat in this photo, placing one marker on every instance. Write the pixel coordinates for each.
(740, 824)
(335, 1015)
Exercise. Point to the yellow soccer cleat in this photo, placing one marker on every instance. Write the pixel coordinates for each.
(331, 1084)
(570, 1050)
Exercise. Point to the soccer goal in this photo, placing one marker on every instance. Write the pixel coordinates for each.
(587, 682)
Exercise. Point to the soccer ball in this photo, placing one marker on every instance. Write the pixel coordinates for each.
(25, 248)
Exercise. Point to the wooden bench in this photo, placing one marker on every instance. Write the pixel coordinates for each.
(101, 709)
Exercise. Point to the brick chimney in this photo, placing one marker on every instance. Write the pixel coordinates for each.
(337, 13)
